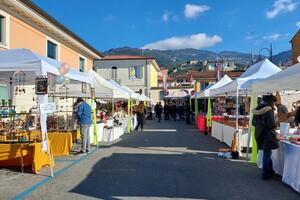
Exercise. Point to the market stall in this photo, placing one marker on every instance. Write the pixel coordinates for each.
(201, 119)
(30, 78)
(242, 87)
(114, 93)
(286, 159)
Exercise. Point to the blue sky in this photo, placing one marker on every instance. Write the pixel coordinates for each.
(217, 25)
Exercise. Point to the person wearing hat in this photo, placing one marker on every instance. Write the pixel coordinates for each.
(265, 135)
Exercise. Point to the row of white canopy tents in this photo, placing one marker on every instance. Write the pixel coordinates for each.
(243, 85)
(33, 65)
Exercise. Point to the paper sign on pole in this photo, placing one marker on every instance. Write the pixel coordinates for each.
(46, 108)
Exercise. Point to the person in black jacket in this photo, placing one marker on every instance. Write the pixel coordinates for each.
(159, 111)
(265, 135)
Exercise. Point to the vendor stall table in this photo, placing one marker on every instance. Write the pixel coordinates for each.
(61, 143)
(111, 134)
(100, 127)
(286, 162)
(225, 133)
(10, 155)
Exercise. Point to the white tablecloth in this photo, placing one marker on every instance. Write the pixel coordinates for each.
(286, 162)
(112, 134)
(100, 128)
(225, 134)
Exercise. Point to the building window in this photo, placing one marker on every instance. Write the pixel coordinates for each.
(81, 64)
(135, 72)
(114, 73)
(2, 30)
(52, 50)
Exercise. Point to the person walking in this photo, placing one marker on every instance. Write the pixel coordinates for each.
(140, 111)
(84, 120)
(265, 135)
(181, 111)
(159, 111)
(155, 109)
(166, 111)
(174, 111)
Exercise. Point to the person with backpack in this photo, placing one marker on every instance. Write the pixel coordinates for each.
(265, 135)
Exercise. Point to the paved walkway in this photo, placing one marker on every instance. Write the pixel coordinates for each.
(168, 160)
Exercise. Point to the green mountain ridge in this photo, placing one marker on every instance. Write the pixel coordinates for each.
(173, 58)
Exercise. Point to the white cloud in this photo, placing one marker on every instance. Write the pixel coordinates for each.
(197, 41)
(275, 36)
(281, 6)
(298, 24)
(193, 11)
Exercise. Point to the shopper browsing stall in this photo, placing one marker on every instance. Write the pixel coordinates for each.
(264, 122)
(140, 110)
(84, 120)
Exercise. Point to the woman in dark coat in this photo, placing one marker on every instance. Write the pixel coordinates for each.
(265, 135)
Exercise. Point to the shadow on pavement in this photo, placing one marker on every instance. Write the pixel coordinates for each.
(177, 176)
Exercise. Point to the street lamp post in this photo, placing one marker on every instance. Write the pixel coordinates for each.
(270, 50)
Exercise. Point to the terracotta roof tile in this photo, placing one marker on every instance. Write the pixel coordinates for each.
(125, 57)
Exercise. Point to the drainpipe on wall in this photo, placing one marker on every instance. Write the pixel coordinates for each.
(146, 78)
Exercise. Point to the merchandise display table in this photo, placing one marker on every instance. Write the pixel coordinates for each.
(111, 134)
(106, 134)
(10, 155)
(100, 129)
(286, 162)
(61, 143)
(225, 133)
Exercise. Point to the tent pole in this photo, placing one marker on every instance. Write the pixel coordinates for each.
(95, 138)
(196, 109)
(129, 115)
(253, 98)
(113, 107)
(237, 119)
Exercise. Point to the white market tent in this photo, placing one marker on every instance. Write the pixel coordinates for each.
(242, 85)
(287, 79)
(254, 73)
(33, 65)
(120, 87)
(105, 89)
(177, 95)
(207, 92)
(133, 95)
(143, 97)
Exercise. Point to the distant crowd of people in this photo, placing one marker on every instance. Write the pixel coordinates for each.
(171, 109)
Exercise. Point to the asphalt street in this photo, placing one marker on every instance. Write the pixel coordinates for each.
(168, 160)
